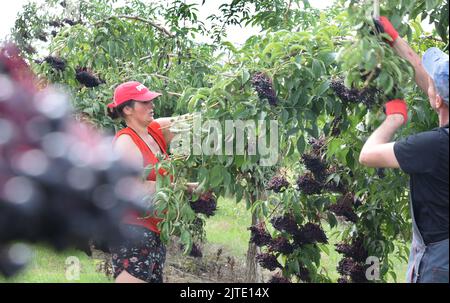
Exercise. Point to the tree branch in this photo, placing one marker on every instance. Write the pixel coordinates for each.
(155, 25)
(431, 38)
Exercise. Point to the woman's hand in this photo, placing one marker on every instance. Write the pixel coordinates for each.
(191, 187)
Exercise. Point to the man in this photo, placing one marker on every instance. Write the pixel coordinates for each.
(424, 157)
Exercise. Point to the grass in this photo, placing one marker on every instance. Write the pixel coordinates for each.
(228, 228)
(48, 266)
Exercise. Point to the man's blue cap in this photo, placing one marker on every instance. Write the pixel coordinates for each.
(435, 62)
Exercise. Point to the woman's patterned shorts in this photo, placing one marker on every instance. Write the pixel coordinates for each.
(142, 255)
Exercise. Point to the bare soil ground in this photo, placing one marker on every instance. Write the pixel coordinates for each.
(217, 265)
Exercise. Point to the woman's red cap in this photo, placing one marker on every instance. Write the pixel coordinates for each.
(132, 90)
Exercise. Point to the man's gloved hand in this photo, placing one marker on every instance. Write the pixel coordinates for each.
(383, 25)
(397, 106)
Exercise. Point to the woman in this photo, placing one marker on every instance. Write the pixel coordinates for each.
(141, 259)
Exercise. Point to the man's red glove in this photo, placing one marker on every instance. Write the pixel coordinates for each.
(397, 106)
(385, 26)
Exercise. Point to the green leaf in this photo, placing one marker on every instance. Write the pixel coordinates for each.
(216, 176)
(301, 144)
(245, 76)
(331, 220)
(323, 88)
(317, 68)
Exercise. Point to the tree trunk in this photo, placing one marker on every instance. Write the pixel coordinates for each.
(253, 270)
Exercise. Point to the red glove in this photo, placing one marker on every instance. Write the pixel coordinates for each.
(385, 26)
(397, 106)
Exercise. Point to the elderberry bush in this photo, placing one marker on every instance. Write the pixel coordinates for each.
(264, 87)
(195, 252)
(318, 145)
(336, 127)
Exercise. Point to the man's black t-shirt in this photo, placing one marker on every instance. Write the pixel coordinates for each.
(425, 158)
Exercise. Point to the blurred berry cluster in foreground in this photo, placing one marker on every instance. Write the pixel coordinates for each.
(60, 183)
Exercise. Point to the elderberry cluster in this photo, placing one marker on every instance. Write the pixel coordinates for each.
(281, 245)
(278, 184)
(355, 250)
(268, 261)
(309, 185)
(259, 236)
(344, 207)
(60, 183)
(355, 270)
(206, 204)
(56, 62)
(87, 78)
(315, 165)
(277, 278)
(285, 223)
(264, 87)
(367, 96)
(310, 233)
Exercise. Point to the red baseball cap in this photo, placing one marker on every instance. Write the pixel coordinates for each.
(132, 90)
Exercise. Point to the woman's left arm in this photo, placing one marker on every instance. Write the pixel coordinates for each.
(165, 124)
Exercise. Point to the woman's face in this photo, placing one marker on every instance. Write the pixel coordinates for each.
(142, 112)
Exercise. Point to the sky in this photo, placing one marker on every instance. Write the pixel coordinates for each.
(236, 34)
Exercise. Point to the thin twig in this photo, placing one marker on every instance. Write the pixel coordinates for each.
(431, 37)
(155, 25)
(174, 94)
